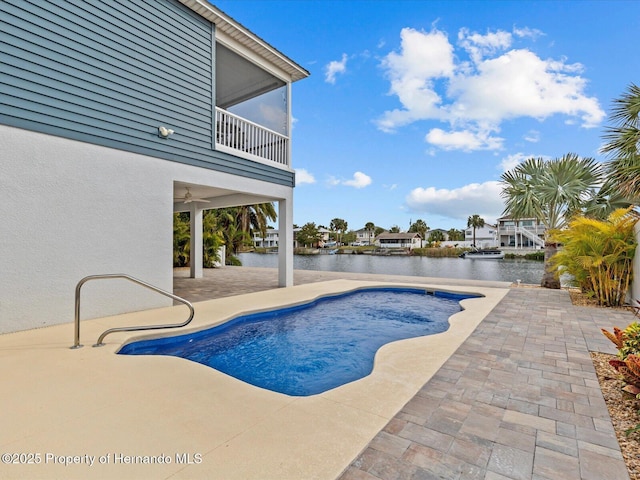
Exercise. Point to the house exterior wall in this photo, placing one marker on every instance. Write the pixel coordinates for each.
(84, 86)
(364, 237)
(486, 236)
(110, 73)
(270, 241)
(405, 242)
(73, 209)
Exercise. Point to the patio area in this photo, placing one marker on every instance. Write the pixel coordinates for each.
(509, 392)
(519, 399)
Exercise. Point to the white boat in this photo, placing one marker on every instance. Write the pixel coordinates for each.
(491, 254)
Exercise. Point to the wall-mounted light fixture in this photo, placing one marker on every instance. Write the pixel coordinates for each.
(164, 132)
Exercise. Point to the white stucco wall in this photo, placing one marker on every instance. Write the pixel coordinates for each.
(71, 209)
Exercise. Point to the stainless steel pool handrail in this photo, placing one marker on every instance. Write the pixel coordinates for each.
(76, 343)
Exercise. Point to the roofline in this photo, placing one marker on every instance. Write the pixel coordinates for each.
(246, 37)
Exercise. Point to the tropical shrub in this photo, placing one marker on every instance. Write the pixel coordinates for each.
(212, 240)
(598, 255)
(627, 342)
(233, 261)
(181, 237)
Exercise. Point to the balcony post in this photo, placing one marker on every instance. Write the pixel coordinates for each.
(288, 152)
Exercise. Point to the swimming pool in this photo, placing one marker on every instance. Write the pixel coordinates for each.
(311, 348)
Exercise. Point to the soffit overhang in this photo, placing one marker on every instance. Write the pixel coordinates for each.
(227, 25)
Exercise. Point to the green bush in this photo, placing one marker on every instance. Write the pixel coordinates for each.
(630, 341)
(233, 261)
(598, 255)
(441, 252)
(539, 255)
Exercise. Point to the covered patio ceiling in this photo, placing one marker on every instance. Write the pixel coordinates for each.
(205, 197)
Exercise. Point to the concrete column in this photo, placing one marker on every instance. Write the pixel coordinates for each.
(285, 242)
(196, 241)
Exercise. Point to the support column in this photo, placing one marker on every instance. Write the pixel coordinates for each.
(196, 254)
(285, 242)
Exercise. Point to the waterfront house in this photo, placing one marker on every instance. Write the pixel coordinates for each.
(270, 240)
(364, 237)
(444, 233)
(486, 236)
(406, 240)
(521, 233)
(115, 115)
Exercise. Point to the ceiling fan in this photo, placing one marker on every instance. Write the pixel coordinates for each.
(188, 198)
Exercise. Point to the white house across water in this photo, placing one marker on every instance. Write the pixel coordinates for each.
(113, 116)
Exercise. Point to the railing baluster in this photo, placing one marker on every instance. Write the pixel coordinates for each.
(245, 136)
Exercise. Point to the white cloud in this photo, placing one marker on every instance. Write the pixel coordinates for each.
(425, 57)
(532, 136)
(520, 84)
(512, 161)
(527, 32)
(334, 68)
(475, 96)
(333, 181)
(465, 140)
(360, 180)
(303, 176)
(479, 46)
(476, 198)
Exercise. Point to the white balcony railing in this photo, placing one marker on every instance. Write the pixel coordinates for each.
(247, 139)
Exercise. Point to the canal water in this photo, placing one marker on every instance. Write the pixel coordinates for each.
(506, 270)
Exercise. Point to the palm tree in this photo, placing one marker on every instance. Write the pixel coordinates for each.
(252, 218)
(623, 140)
(552, 192)
(436, 236)
(475, 221)
(338, 225)
(308, 235)
(369, 228)
(419, 226)
(455, 234)
(212, 240)
(606, 200)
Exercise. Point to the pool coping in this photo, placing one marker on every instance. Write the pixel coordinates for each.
(95, 403)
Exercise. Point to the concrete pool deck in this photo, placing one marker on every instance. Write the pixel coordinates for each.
(516, 397)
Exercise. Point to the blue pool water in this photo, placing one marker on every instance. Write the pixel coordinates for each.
(311, 348)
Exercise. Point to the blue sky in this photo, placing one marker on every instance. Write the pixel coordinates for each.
(415, 108)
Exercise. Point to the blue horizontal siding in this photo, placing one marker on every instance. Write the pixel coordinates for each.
(111, 72)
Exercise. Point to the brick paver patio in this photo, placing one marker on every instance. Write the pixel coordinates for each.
(518, 400)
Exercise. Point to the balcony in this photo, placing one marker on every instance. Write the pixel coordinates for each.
(252, 111)
(242, 137)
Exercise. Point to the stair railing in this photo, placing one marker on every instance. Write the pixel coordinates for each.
(99, 343)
